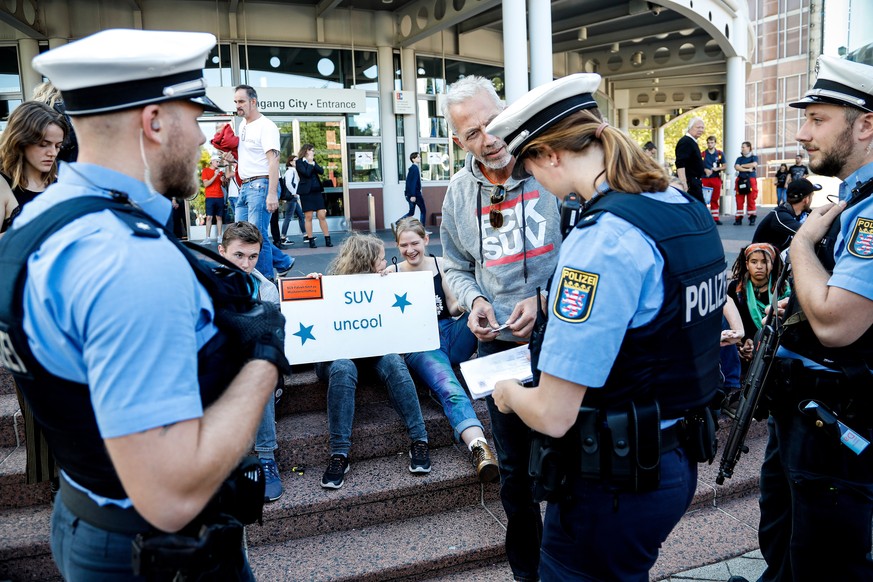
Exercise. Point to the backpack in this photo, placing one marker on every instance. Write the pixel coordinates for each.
(287, 192)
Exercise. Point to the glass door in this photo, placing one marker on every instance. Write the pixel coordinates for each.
(328, 135)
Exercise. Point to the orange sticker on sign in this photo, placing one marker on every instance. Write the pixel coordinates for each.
(300, 289)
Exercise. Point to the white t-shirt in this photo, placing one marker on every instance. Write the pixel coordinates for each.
(255, 140)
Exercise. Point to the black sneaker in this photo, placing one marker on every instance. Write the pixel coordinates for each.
(752, 220)
(419, 457)
(738, 222)
(335, 475)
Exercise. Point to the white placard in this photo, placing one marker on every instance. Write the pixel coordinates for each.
(363, 159)
(275, 100)
(357, 316)
(434, 158)
(404, 102)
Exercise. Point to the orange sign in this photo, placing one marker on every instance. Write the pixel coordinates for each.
(300, 288)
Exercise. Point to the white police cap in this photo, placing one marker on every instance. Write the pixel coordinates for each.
(840, 82)
(542, 107)
(121, 69)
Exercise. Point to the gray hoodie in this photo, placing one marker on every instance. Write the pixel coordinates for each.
(505, 266)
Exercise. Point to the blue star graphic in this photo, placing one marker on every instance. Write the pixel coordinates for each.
(401, 302)
(305, 333)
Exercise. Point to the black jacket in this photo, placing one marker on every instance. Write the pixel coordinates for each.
(310, 183)
(778, 227)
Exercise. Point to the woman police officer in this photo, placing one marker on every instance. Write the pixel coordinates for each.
(631, 348)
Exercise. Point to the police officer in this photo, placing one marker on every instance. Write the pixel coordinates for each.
(780, 226)
(632, 339)
(816, 492)
(110, 323)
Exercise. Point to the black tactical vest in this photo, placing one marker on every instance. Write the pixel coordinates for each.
(674, 358)
(63, 408)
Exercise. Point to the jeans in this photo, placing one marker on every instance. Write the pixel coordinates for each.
(265, 439)
(293, 208)
(434, 368)
(524, 524)
(599, 534)
(342, 378)
(419, 201)
(251, 206)
(84, 552)
(816, 503)
(281, 261)
(781, 195)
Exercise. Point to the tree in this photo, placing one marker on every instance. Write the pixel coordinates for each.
(713, 118)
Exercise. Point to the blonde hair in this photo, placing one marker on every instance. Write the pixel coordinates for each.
(409, 223)
(627, 167)
(47, 93)
(358, 254)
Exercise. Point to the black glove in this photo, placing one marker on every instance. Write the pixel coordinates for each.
(260, 331)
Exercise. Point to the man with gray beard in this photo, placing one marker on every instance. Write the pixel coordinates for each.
(500, 236)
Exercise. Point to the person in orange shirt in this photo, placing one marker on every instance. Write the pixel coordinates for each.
(213, 178)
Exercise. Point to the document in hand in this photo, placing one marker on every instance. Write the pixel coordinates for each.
(481, 374)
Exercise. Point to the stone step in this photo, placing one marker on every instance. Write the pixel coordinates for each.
(302, 440)
(415, 522)
(11, 421)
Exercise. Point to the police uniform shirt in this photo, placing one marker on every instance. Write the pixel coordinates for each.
(609, 279)
(853, 251)
(121, 313)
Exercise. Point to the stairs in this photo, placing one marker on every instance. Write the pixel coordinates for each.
(385, 523)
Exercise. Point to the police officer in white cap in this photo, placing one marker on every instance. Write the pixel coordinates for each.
(631, 348)
(817, 478)
(106, 325)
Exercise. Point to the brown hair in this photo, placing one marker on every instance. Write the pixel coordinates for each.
(27, 126)
(409, 223)
(627, 167)
(303, 149)
(245, 232)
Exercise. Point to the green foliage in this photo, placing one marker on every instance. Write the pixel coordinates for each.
(713, 118)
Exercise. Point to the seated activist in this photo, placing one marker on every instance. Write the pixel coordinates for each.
(241, 245)
(364, 253)
(754, 276)
(457, 344)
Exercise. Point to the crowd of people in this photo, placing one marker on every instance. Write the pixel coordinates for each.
(629, 360)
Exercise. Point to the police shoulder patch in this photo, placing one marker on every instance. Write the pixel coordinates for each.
(861, 240)
(575, 295)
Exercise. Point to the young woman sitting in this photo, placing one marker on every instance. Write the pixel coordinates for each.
(457, 344)
(362, 253)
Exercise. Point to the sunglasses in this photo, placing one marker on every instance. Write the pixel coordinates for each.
(495, 217)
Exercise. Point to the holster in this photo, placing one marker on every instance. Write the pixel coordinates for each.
(699, 435)
(216, 554)
(619, 447)
(547, 468)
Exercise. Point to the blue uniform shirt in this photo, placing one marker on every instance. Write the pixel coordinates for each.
(625, 271)
(853, 250)
(121, 313)
(743, 160)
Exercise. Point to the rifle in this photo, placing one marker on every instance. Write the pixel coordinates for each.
(765, 343)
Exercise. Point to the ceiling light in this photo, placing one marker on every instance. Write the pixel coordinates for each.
(583, 33)
(614, 48)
